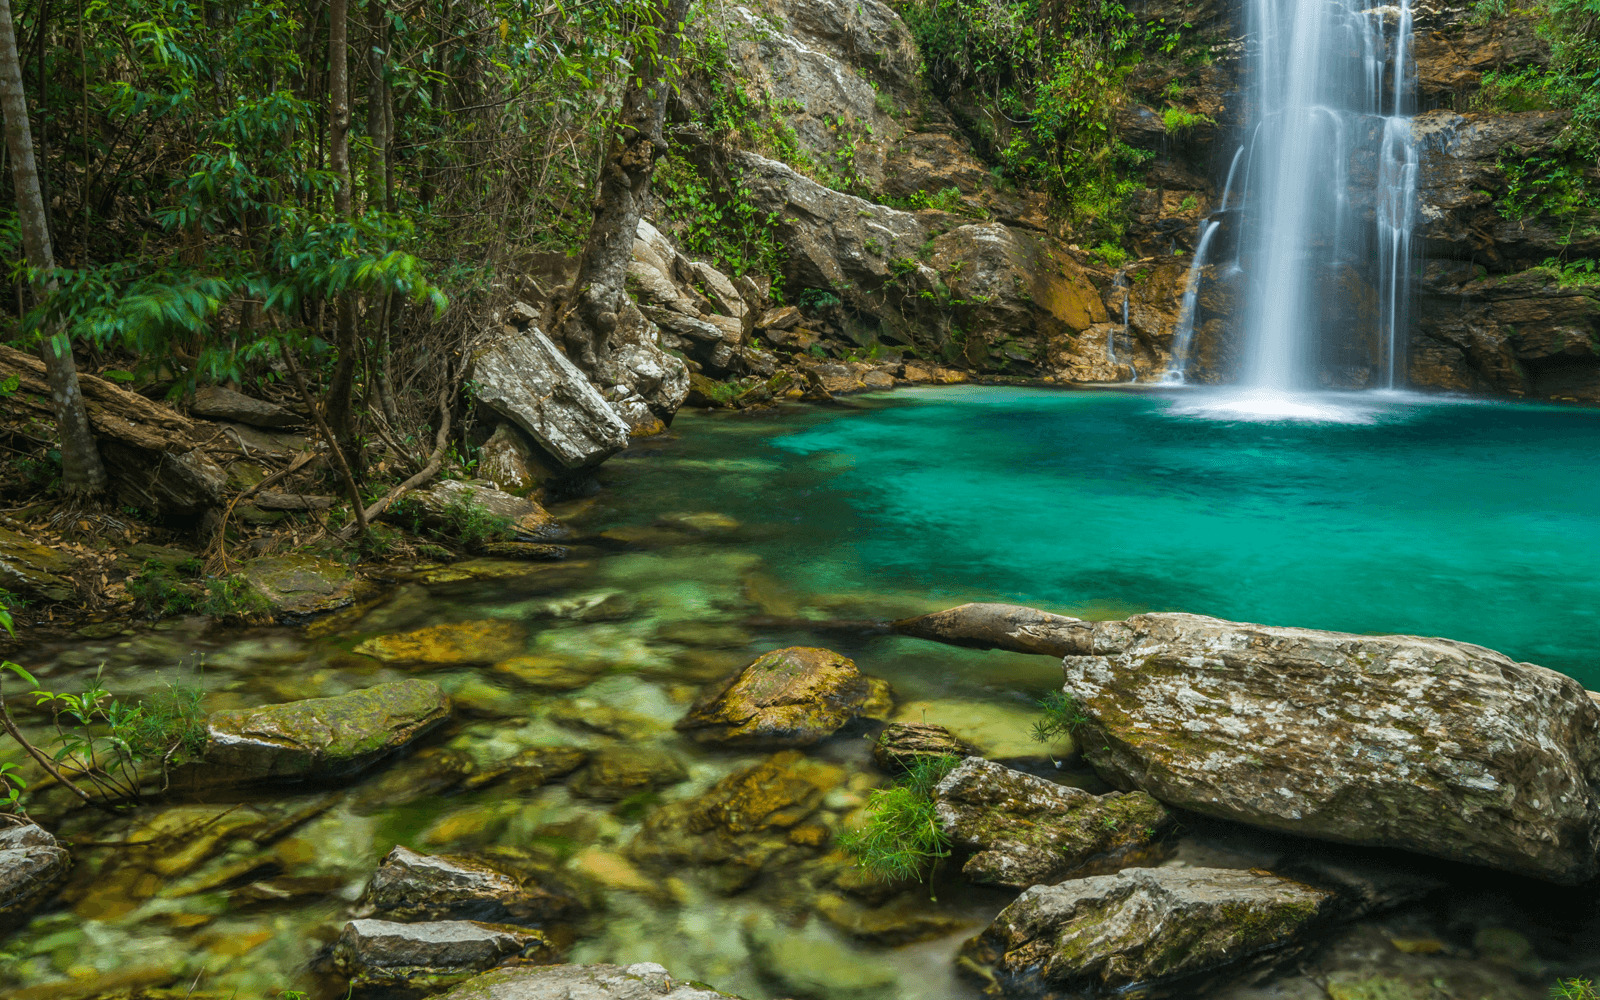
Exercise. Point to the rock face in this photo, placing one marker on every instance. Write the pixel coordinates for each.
(409, 886)
(1144, 927)
(787, 698)
(380, 954)
(34, 570)
(1025, 830)
(525, 379)
(1428, 745)
(644, 981)
(321, 737)
(31, 863)
(994, 626)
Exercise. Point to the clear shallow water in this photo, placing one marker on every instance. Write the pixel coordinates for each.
(1475, 521)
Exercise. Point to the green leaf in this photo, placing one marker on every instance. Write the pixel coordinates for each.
(17, 669)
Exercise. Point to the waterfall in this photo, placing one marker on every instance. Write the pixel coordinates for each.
(1184, 332)
(1329, 193)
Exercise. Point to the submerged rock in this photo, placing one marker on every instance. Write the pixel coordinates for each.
(743, 824)
(409, 886)
(789, 697)
(464, 642)
(1428, 745)
(995, 626)
(643, 981)
(902, 744)
(620, 772)
(383, 955)
(1144, 928)
(320, 737)
(1026, 830)
(31, 863)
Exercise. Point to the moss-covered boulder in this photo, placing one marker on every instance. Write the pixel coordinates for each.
(383, 957)
(1024, 830)
(320, 737)
(33, 570)
(756, 818)
(1427, 745)
(409, 886)
(449, 645)
(1142, 926)
(789, 697)
(642, 981)
(31, 863)
(299, 585)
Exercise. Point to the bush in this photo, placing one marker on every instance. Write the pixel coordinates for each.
(901, 839)
(1063, 716)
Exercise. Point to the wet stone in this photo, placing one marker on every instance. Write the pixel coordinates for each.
(459, 643)
(643, 981)
(902, 744)
(550, 673)
(31, 864)
(789, 697)
(530, 768)
(412, 887)
(597, 717)
(380, 955)
(1025, 830)
(906, 918)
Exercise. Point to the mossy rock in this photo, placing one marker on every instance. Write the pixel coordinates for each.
(33, 570)
(321, 737)
(620, 772)
(461, 642)
(297, 585)
(788, 697)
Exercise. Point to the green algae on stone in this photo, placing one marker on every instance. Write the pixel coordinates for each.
(619, 772)
(788, 697)
(640, 981)
(321, 737)
(484, 641)
(301, 584)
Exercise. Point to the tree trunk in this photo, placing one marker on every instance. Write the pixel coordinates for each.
(337, 406)
(599, 294)
(82, 473)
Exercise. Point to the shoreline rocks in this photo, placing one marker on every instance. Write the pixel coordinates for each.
(788, 697)
(1025, 830)
(1428, 745)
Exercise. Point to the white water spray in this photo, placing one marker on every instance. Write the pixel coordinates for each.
(1184, 334)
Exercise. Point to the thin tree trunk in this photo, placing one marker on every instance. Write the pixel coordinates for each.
(598, 291)
(339, 409)
(82, 473)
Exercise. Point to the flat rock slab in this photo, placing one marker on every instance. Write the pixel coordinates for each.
(996, 626)
(1427, 745)
(409, 886)
(302, 584)
(1142, 928)
(385, 954)
(321, 737)
(644, 981)
(788, 697)
(31, 863)
(527, 380)
(1025, 830)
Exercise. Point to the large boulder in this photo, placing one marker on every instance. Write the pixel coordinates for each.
(1145, 927)
(381, 955)
(31, 863)
(320, 737)
(523, 377)
(789, 697)
(33, 570)
(1024, 830)
(1428, 745)
(994, 626)
(643, 981)
(409, 886)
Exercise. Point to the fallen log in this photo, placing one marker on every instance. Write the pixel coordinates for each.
(157, 457)
(1000, 626)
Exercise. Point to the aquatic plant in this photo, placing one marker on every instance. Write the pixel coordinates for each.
(1574, 989)
(1063, 716)
(901, 839)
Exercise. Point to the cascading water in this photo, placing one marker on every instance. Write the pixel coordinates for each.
(1184, 333)
(1328, 197)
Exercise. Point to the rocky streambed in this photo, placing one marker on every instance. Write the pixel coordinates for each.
(645, 753)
